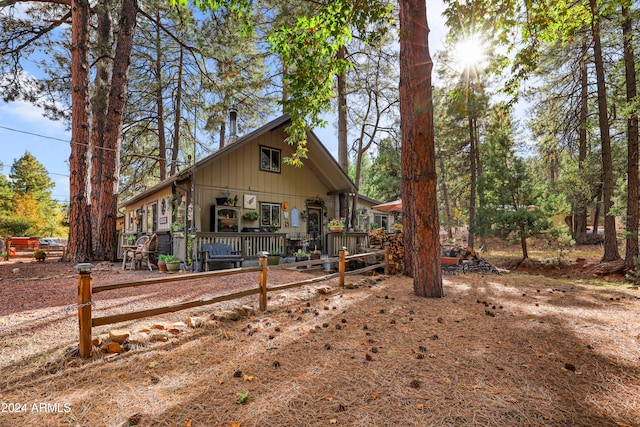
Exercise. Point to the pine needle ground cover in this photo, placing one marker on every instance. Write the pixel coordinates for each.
(506, 350)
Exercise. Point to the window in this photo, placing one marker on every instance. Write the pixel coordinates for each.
(152, 218)
(269, 159)
(381, 221)
(270, 215)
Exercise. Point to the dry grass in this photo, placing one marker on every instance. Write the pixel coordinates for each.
(510, 350)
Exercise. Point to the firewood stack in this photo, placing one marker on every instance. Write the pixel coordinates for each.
(377, 239)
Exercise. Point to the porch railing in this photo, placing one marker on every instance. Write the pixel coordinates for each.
(351, 240)
(252, 243)
(249, 243)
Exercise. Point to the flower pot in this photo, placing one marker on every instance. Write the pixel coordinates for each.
(162, 265)
(173, 266)
(273, 259)
(336, 229)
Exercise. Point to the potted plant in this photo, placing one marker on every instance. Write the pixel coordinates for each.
(251, 215)
(397, 227)
(177, 228)
(301, 255)
(130, 239)
(173, 263)
(162, 262)
(335, 225)
(274, 257)
(40, 255)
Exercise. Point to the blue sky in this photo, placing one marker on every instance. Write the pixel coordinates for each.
(24, 128)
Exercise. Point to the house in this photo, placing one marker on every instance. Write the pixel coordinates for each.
(246, 196)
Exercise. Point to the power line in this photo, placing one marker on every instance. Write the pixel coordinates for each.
(146, 156)
(33, 134)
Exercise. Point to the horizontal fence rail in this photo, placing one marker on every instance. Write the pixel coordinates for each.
(86, 290)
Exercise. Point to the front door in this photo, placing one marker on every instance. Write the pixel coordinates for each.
(314, 228)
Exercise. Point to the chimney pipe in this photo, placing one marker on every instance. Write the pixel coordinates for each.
(233, 116)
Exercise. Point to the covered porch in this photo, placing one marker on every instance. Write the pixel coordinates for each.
(252, 243)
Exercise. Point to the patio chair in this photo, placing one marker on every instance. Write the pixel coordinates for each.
(130, 251)
(146, 253)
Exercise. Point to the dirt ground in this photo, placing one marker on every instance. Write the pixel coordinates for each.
(548, 346)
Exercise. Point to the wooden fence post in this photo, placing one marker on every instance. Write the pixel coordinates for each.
(341, 265)
(262, 259)
(84, 308)
(386, 258)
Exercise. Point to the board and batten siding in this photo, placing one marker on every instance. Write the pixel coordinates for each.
(238, 173)
(164, 220)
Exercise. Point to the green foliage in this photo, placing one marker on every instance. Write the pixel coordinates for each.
(309, 48)
(513, 202)
(251, 215)
(242, 398)
(40, 254)
(26, 207)
(15, 226)
(384, 180)
(562, 238)
(167, 258)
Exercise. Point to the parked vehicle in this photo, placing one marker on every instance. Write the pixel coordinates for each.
(49, 243)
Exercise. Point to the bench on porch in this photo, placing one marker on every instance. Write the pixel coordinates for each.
(220, 253)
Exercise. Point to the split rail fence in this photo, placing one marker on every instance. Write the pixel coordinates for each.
(86, 289)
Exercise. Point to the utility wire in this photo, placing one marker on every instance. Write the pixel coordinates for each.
(146, 156)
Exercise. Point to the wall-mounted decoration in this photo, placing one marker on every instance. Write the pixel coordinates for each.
(163, 220)
(285, 206)
(250, 201)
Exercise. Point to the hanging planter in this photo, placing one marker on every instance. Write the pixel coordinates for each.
(335, 225)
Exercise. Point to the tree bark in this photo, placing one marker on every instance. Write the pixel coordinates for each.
(107, 237)
(419, 180)
(473, 177)
(178, 118)
(99, 105)
(445, 198)
(162, 137)
(523, 243)
(343, 156)
(580, 231)
(633, 219)
(610, 239)
(79, 244)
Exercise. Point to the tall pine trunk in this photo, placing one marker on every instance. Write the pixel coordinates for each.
(99, 103)
(79, 244)
(610, 239)
(580, 230)
(632, 142)
(162, 136)
(445, 198)
(473, 177)
(343, 156)
(178, 117)
(419, 180)
(107, 237)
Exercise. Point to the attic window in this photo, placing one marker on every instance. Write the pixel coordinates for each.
(269, 159)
